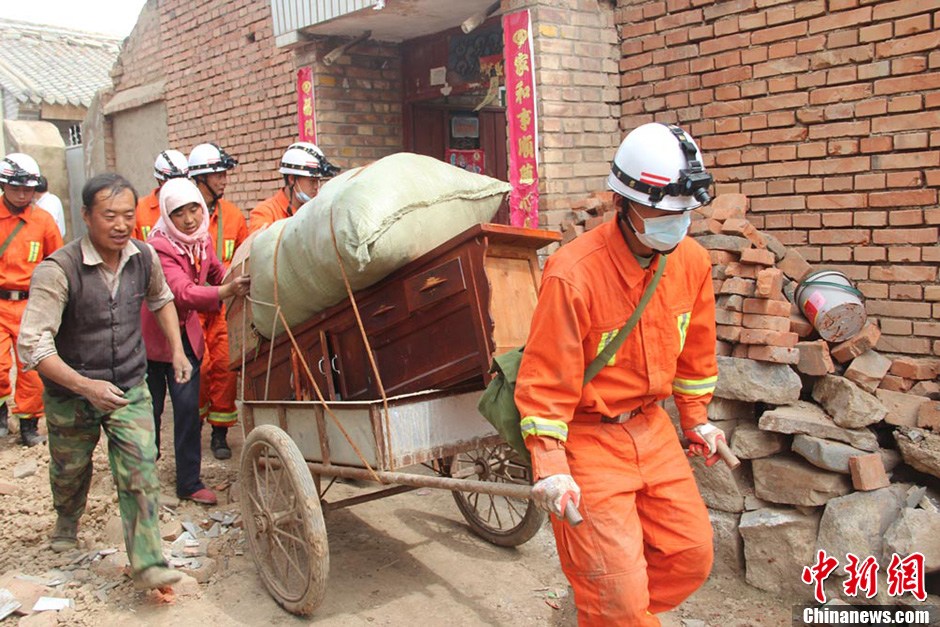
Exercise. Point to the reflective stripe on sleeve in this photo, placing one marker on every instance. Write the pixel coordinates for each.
(532, 425)
(694, 387)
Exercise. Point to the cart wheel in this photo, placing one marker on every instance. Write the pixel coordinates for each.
(500, 520)
(283, 520)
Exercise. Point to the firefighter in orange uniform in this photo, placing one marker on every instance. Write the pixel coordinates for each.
(169, 164)
(27, 236)
(646, 541)
(303, 166)
(208, 167)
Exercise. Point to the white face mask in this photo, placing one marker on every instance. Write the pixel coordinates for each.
(301, 196)
(663, 233)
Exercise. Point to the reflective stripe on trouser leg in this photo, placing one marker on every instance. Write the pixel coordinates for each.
(27, 397)
(218, 386)
(646, 543)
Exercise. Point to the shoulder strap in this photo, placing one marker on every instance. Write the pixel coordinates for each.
(6, 244)
(601, 360)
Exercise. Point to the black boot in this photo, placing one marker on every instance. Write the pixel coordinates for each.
(219, 446)
(4, 427)
(29, 432)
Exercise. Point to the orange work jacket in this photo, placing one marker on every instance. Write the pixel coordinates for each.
(269, 211)
(589, 289)
(148, 212)
(37, 239)
(228, 230)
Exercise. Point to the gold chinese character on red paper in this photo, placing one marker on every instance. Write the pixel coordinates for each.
(527, 174)
(520, 37)
(306, 86)
(521, 63)
(308, 127)
(525, 119)
(308, 107)
(523, 92)
(526, 147)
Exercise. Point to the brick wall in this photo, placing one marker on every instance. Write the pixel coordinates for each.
(826, 114)
(576, 54)
(141, 58)
(358, 101)
(226, 83)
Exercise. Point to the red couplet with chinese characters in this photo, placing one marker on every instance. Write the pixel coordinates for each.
(306, 116)
(521, 119)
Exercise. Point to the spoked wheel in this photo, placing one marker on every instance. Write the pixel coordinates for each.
(500, 520)
(283, 520)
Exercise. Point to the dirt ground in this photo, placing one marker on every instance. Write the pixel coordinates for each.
(394, 561)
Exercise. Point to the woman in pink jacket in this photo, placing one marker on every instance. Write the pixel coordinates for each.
(193, 272)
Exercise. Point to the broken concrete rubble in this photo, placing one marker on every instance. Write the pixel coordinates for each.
(751, 381)
(790, 480)
(807, 418)
(850, 406)
(778, 543)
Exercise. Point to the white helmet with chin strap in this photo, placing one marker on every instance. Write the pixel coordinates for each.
(659, 165)
(306, 159)
(170, 164)
(19, 169)
(209, 158)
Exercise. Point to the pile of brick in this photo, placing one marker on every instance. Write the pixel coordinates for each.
(840, 443)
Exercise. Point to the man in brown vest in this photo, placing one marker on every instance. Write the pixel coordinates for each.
(81, 331)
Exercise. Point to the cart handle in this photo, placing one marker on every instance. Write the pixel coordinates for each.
(572, 515)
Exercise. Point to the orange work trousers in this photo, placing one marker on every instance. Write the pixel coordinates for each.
(218, 383)
(28, 399)
(646, 540)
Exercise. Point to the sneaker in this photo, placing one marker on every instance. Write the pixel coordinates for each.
(156, 577)
(65, 535)
(204, 496)
(4, 415)
(219, 446)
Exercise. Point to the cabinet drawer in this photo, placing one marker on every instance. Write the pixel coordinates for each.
(384, 309)
(434, 285)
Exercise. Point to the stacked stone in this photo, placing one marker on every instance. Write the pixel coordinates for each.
(752, 273)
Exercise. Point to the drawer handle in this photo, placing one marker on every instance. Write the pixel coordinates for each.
(384, 309)
(431, 282)
(320, 366)
(333, 364)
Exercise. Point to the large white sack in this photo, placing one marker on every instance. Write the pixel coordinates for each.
(385, 214)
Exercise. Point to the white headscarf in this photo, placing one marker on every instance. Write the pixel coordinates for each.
(176, 193)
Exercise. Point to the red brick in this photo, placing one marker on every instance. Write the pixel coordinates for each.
(728, 333)
(868, 472)
(926, 235)
(723, 349)
(728, 317)
(794, 266)
(895, 383)
(740, 351)
(765, 307)
(728, 206)
(773, 354)
(814, 358)
(766, 337)
(735, 285)
(769, 282)
(930, 389)
(916, 369)
(745, 271)
(731, 302)
(928, 416)
(757, 256)
(721, 257)
(867, 370)
(772, 323)
(865, 340)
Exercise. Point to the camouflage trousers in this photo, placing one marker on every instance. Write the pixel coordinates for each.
(74, 430)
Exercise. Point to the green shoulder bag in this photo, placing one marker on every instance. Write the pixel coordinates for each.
(498, 404)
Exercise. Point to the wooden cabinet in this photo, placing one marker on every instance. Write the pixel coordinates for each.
(435, 323)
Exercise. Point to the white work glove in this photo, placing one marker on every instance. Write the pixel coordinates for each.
(553, 493)
(703, 442)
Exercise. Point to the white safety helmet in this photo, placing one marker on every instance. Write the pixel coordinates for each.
(659, 165)
(19, 169)
(208, 158)
(306, 159)
(170, 164)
